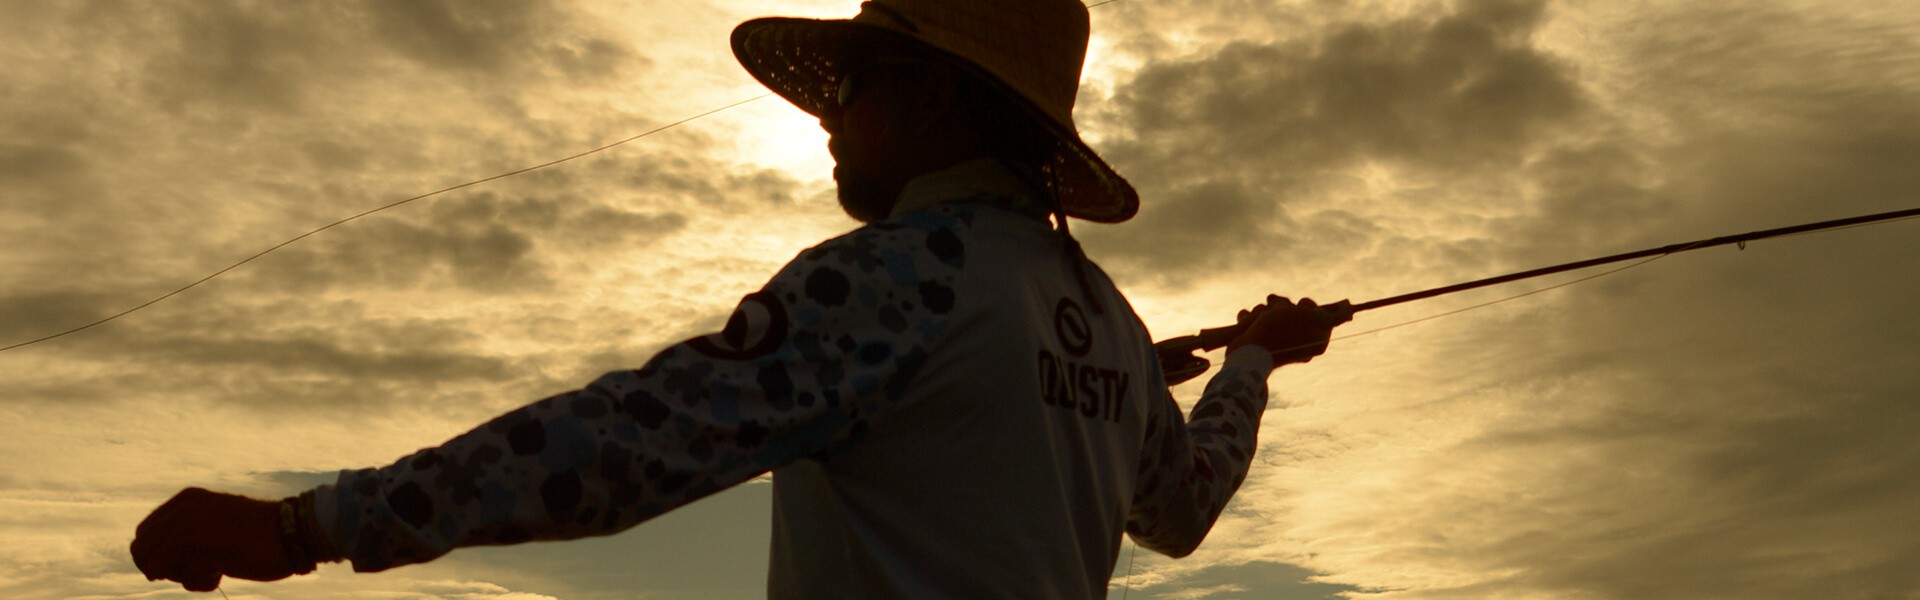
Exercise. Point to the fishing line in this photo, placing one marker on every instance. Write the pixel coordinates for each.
(1846, 227)
(375, 210)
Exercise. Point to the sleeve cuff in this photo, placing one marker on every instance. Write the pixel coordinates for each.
(1251, 357)
(327, 507)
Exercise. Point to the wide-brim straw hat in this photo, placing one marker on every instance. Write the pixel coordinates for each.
(1032, 50)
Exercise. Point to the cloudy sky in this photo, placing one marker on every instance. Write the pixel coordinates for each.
(1721, 424)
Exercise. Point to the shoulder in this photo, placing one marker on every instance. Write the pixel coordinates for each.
(916, 256)
(935, 233)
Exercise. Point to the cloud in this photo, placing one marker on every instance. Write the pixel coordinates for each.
(1237, 151)
(38, 179)
(481, 242)
(34, 314)
(715, 548)
(286, 130)
(251, 59)
(149, 145)
(1255, 579)
(496, 38)
(1717, 424)
(260, 58)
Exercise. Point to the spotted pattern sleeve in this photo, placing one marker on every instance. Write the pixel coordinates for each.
(800, 367)
(1190, 468)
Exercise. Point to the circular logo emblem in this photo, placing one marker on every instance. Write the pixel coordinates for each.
(1070, 325)
(757, 327)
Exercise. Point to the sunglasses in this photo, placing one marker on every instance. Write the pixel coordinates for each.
(854, 79)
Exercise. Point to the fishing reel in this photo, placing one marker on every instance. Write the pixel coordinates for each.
(1178, 364)
(1179, 359)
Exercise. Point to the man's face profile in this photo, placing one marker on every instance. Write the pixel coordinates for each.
(870, 114)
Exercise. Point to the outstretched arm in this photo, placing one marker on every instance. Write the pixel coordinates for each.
(1190, 468)
(800, 367)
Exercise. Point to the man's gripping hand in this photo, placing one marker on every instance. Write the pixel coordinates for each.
(199, 536)
(1292, 333)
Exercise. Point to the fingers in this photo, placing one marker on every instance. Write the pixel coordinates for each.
(199, 578)
(148, 547)
(196, 574)
(1292, 331)
(141, 551)
(1247, 316)
(171, 542)
(1331, 315)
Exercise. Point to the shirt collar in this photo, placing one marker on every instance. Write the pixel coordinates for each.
(970, 179)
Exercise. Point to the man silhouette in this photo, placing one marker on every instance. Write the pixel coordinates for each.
(953, 401)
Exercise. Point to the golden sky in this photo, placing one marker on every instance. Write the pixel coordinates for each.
(1720, 424)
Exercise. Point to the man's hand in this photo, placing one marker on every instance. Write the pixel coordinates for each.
(199, 535)
(1293, 333)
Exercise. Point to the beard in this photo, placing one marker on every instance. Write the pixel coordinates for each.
(865, 196)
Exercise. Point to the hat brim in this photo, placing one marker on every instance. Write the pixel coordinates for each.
(803, 61)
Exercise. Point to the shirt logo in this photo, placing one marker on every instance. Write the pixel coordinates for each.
(1070, 326)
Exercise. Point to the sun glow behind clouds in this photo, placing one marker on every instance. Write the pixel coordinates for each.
(774, 134)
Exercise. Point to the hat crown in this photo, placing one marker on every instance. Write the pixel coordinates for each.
(1032, 49)
(1036, 47)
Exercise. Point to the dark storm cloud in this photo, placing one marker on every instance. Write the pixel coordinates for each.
(455, 35)
(288, 107)
(696, 182)
(1593, 198)
(292, 346)
(1761, 414)
(27, 166)
(1737, 423)
(278, 57)
(46, 174)
(286, 354)
(1786, 117)
(1252, 132)
(279, 132)
(36, 313)
(481, 242)
(1713, 446)
(1253, 579)
(490, 36)
(248, 57)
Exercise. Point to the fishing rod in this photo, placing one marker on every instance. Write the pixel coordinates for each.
(1179, 363)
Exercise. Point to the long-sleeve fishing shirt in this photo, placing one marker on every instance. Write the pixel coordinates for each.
(945, 411)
